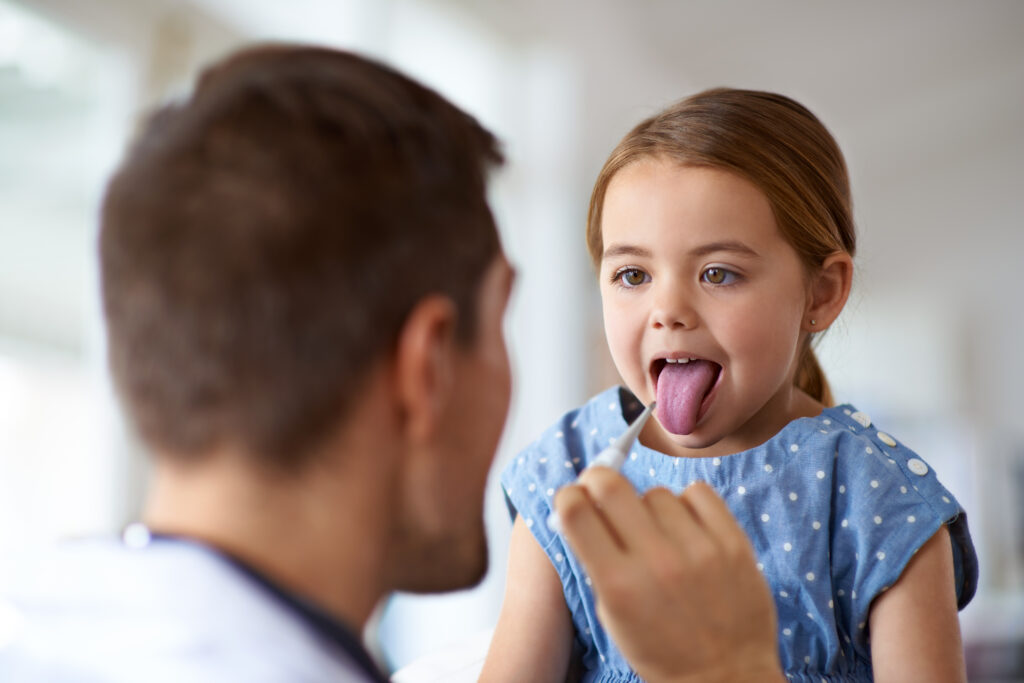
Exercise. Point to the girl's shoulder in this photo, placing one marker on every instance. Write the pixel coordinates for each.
(852, 440)
(560, 452)
(557, 456)
(591, 426)
(863, 450)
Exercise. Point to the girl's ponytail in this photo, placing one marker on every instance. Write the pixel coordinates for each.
(811, 378)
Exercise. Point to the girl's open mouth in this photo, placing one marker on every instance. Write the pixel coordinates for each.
(683, 387)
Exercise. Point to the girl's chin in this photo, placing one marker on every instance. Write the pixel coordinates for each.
(682, 444)
(695, 440)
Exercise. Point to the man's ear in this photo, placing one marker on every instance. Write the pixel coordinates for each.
(424, 365)
(829, 289)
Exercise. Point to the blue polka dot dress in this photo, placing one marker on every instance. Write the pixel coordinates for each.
(834, 507)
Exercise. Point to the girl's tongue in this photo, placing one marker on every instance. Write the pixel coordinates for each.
(681, 390)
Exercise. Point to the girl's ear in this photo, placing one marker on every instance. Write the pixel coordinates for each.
(424, 366)
(829, 290)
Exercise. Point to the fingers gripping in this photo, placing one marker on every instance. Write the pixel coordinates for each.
(714, 516)
(662, 563)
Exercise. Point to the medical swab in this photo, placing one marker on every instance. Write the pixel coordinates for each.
(613, 456)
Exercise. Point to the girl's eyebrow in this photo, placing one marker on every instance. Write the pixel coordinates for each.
(703, 250)
(626, 250)
(725, 245)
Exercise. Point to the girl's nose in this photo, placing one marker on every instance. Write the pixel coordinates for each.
(673, 308)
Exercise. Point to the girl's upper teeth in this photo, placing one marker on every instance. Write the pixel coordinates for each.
(679, 360)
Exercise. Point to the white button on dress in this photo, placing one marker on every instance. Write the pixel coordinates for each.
(917, 467)
(887, 440)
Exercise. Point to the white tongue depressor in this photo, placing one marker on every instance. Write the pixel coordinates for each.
(613, 456)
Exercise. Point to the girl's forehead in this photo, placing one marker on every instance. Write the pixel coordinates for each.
(685, 181)
(662, 200)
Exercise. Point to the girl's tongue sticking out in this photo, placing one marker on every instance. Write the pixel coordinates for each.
(681, 390)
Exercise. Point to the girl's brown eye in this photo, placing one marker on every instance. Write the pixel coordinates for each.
(715, 276)
(633, 277)
(720, 276)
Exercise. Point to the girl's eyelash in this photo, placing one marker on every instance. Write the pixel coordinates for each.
(616, 278)
(730, 277)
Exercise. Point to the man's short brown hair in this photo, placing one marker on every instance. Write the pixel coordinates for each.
(263, 242)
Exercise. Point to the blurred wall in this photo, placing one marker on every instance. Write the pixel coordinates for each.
(925, 98)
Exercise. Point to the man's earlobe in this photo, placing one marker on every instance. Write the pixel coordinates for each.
(830, 288)
(424, 365)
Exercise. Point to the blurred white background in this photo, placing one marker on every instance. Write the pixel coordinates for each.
(926, 99)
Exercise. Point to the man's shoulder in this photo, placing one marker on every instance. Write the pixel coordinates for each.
(102, 610)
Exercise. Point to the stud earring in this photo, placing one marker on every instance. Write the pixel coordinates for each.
(813, 322)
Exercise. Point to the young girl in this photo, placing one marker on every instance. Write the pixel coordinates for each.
(723, 235)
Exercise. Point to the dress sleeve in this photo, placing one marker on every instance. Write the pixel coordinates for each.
(888, 503)
(532, 478)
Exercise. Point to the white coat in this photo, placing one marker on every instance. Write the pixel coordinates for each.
(100, 611)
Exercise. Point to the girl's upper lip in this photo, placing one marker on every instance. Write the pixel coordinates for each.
(677, 355)
(665, 357)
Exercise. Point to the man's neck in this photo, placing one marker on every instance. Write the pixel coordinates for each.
(319, 533)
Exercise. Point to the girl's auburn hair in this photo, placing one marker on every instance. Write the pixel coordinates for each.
(775, 143)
